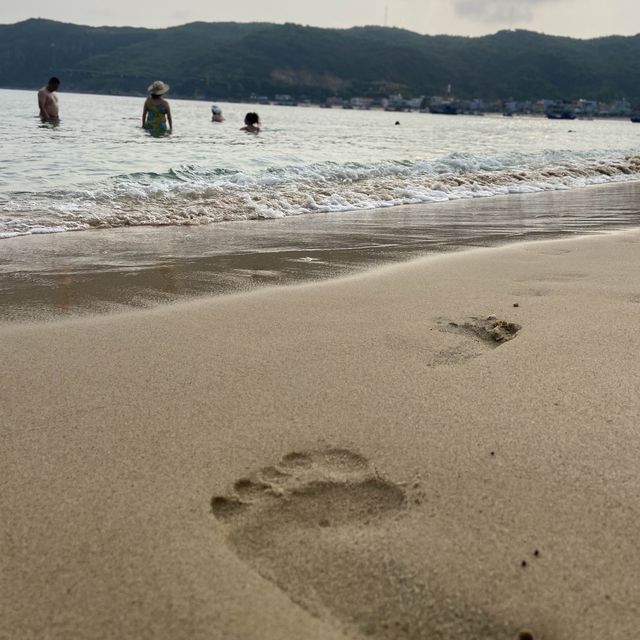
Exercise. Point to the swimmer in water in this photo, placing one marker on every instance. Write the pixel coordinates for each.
(216, 114)
(251, 123)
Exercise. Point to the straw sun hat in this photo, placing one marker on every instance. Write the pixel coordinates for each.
(158, 88)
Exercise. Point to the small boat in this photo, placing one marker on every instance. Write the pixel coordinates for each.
(561, 112)
(635, 117)
(444, 107)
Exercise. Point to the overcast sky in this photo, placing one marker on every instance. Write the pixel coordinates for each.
(578, 18)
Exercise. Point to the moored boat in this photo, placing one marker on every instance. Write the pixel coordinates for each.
(561, 112)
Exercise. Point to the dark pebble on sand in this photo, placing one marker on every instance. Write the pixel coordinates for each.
(523, 564)
(516, 304)
(536, 553)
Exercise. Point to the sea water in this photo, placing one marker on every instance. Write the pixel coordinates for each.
(99, 169)
(318, 193)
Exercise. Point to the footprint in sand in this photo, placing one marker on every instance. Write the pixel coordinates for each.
(319, 525)
(490, 330)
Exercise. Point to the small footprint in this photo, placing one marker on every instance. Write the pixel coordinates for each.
(490, 330)
(319, 526)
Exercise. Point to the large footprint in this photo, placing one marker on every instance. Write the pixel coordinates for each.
(317, 525)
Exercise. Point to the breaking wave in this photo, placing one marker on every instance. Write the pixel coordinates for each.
(194, 195)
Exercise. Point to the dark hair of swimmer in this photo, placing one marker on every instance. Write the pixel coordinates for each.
(252, 118)
(53, 81)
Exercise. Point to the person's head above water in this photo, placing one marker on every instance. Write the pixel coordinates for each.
(252, 119)
(216, 114)
(53, 84)
(157, 89)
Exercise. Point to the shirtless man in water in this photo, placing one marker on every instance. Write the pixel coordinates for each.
(48, 101)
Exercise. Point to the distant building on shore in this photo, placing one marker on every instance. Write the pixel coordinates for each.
(450, 105)
(364, 104)
(285, 100)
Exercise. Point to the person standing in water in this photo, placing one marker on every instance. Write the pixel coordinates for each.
(216, 114)
(157, 112)
(251, 123)
(48, 101)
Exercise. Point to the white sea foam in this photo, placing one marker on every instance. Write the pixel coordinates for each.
(192, 195)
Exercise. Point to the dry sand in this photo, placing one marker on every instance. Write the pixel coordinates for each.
(356, 458)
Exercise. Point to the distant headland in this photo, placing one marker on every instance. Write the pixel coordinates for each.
(259, 61)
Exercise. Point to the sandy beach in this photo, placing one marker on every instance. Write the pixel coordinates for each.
(440, 449)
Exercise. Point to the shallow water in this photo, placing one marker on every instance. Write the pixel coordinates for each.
(99, 169)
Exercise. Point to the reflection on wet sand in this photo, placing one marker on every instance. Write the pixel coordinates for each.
(65, 291)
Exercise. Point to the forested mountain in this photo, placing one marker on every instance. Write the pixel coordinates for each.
(233, 60)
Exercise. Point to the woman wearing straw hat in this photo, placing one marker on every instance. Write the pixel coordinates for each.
(157, 112)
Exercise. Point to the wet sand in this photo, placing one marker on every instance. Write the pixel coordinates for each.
(44, 277)
(445, 448)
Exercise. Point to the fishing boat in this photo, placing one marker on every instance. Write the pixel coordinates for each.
(561, 112)
(445, 106)
(449, 109)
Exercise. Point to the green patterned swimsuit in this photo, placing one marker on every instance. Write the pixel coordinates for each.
(156, 116)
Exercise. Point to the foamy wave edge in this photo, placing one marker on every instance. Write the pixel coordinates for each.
(192, 197)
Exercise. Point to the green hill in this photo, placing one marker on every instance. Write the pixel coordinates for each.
(233, 60)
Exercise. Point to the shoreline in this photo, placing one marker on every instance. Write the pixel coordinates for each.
(48, 277)
(376, 463)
